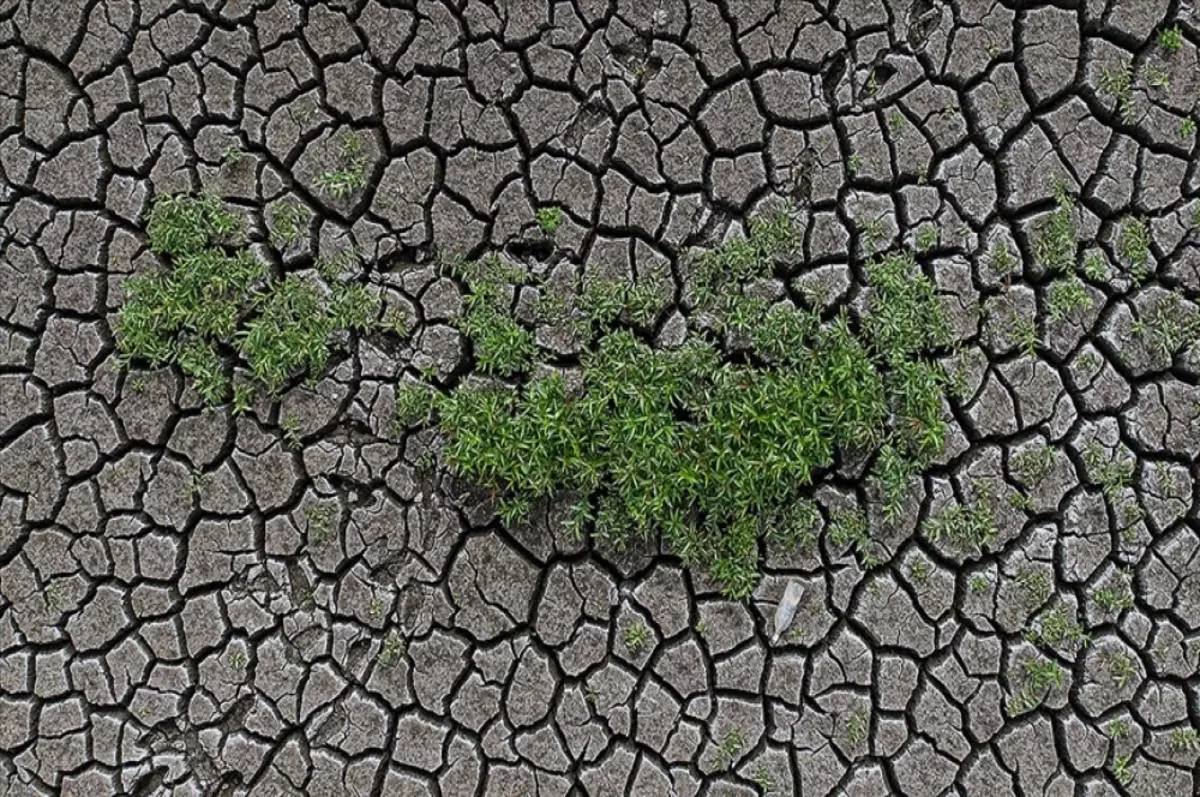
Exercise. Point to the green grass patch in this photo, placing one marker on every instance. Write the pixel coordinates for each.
(1056, 238)
(1066, 296)
(709, 445)
(549, 219)
(1170, 40)
(351, 175)
(1117, 84)
(968, 527)
(1134, 246)
(217, 305)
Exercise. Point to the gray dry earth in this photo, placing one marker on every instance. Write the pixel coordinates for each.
(171, 624)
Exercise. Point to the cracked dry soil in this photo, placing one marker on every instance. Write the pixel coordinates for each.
(168, 625)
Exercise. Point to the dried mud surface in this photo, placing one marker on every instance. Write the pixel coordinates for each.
(171, 622)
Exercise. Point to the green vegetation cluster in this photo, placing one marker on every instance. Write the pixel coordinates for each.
(710, 444)
(217, 304)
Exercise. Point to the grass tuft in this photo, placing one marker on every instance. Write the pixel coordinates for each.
(1134, 246)
(1066, 296)
(1117, 84)
(1056, 238)
(1170, 40)
(635, 637)
(967, 527)
(351, 176)
(549, 219)
(730, 748)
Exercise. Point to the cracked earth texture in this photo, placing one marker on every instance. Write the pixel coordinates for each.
(171, 624)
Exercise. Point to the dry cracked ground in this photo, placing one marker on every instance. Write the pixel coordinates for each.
(170, 622)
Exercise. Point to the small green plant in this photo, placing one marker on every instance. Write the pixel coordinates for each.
(1134, 246)
(1056, 238)
(871, 87)
(1185, 739)
(243, 398)
(1162, 475)
(512, 510)
(1117, 84)
(919, 572)
(1131, 513)
(1121, 668)
(979, 583)
(1025, 335)
(1089, 361)
(1031, 464)
(1041, 678)
(896, 122)
(377, 610)
(854, 164)
(351, 176)
(848, 527)
(1112, 475)
(636, 636)
(1055, 629)
(237, 660)
(305, 599)
(1001, 261)
(874, 232)
(1118, 728)
(392, 650)
(289, 223)
(1168, 327)
(549, 219)
(231, 156)
(1157, 77)
(1123, 770)
(1187, 128)
(795, 526)
(1034, 583)
(289, 424)
(320, 521)
(397, 323)
(53, 595)
(1095, 267)
(967, 527)
(856, 726)
(1021, 501)
(1115, 598)
(414, 405)
(294, 324)
(1170, 40)
(763, 779)
(730, 748)
(927, 238)
(341, 183)
(197, 481)
(1065, 296)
